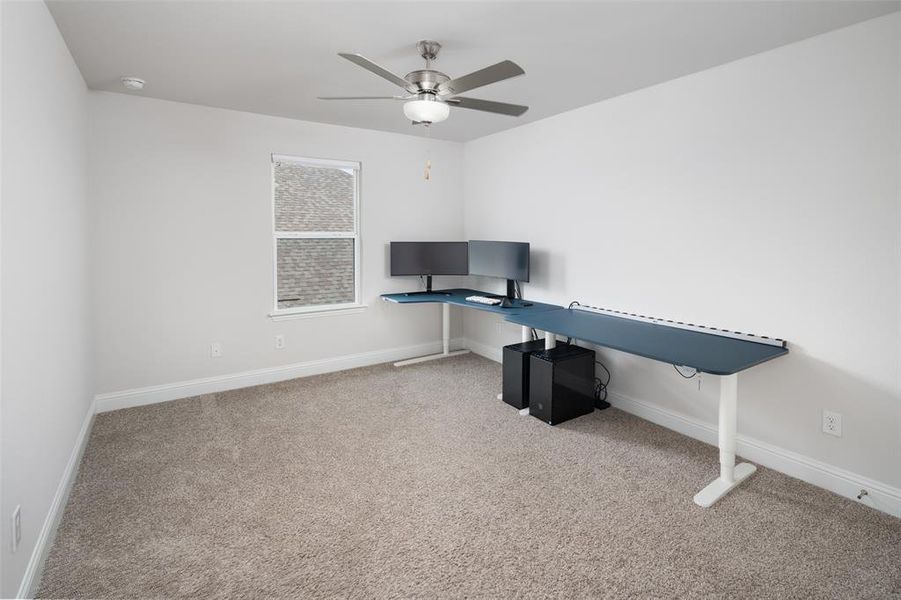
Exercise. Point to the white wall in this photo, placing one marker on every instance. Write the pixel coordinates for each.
(182, 248)
(762, 196)
(46, 360)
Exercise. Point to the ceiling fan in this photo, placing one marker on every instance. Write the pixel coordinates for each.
(429, 94)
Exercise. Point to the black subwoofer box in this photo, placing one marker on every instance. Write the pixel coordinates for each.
(516, 372)
(561, 383)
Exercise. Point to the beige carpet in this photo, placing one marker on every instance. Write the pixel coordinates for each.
(417, 482)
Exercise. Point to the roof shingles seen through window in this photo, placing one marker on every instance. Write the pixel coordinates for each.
(313, 198)
(315, 272)
(318, 271)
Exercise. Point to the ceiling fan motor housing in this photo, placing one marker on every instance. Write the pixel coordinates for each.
(425, 81)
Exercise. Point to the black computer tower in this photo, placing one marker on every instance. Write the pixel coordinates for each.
(561, 383)
(516, 372)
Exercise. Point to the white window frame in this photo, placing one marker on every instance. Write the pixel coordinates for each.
(319, 309)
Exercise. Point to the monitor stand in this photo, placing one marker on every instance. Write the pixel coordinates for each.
(508, 300)
(428, 289)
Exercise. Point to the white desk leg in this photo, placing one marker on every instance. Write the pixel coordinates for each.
(550, 340)
(445, 328)
(445, 342)
(730, 473)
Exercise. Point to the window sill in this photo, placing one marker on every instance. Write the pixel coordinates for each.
(289, 314)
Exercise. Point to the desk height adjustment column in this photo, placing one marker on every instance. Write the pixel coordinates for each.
(730, 473)
(445, 328)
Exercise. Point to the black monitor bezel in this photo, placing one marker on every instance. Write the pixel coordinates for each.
(504, 276)
(410, 274)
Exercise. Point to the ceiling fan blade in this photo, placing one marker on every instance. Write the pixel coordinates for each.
(499, 72)
(360, 98)
(374, 68)
(502, 108)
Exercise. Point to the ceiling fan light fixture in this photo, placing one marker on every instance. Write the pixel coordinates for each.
(428, 94)
(427, 110)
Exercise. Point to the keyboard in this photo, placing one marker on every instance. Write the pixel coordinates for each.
(484, 300)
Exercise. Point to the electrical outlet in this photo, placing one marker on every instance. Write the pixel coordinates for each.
(15, 525)
(832, 423)
(215, 350)
(279, 342)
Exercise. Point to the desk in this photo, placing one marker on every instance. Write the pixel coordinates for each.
(715, 353)
(707, 352)
(703, 351)
(457, 297)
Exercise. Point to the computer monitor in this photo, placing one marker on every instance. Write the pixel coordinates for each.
(429, 258)
(509, 260)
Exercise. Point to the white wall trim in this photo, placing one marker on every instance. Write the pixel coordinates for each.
(232, 381)
(881, 496)
(312, 312)
(35, 566)
(489, 352)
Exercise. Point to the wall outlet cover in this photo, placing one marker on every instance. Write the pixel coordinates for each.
(832, 423)
(215, 350)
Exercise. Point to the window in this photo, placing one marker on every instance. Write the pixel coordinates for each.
(316, 234)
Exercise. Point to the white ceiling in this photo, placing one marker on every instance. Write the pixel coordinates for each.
(276, 57)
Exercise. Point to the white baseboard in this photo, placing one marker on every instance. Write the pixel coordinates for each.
(880, 496)
(35, 566)
(490, 352)
(232, 381)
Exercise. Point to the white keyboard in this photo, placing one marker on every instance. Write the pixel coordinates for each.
(483, 300)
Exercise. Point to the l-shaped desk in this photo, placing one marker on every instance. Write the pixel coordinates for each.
(457, 297)
(707, 350)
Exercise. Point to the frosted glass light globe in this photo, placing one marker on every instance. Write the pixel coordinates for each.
(428, 111)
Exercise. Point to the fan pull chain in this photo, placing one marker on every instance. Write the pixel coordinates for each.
(427, 175)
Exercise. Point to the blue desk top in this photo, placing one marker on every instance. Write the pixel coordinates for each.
(458, 297)
(706, 352)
